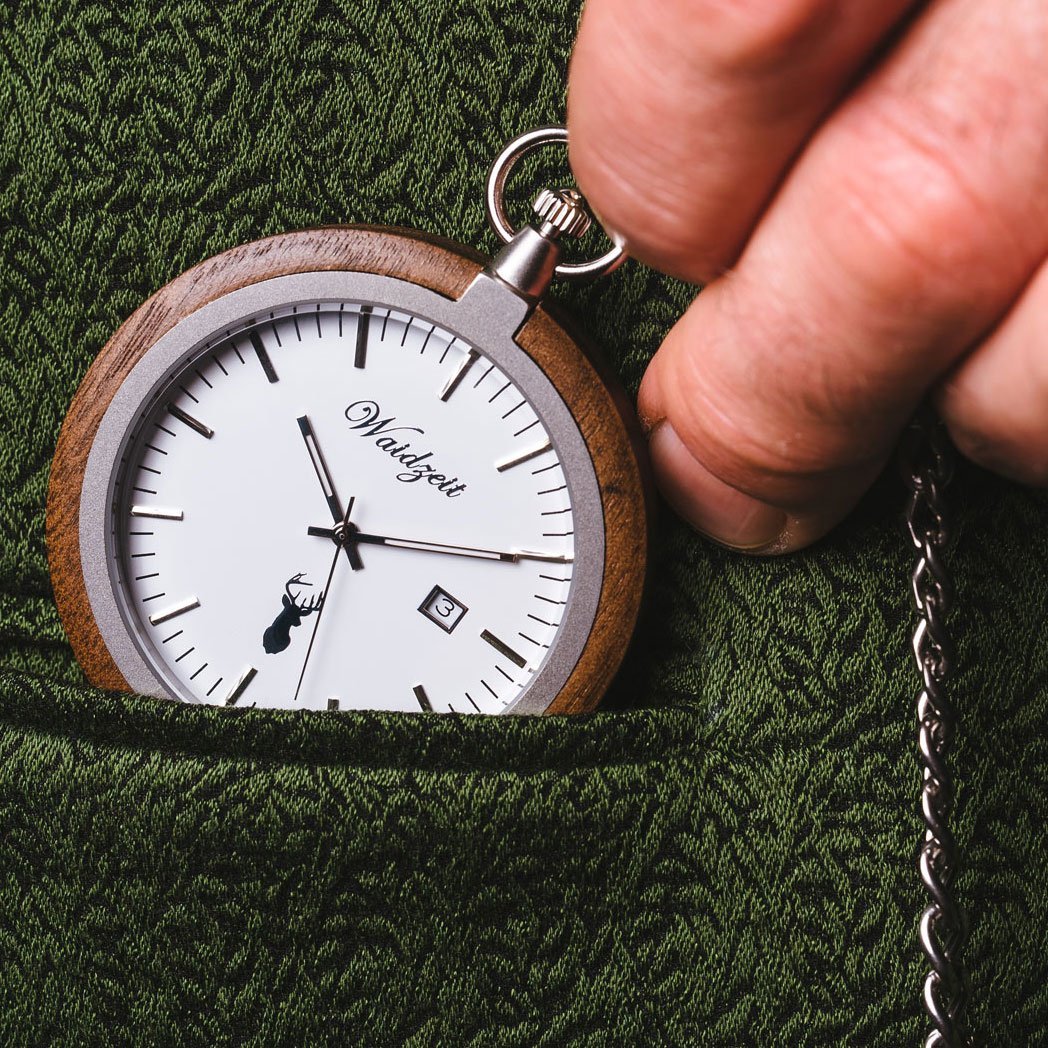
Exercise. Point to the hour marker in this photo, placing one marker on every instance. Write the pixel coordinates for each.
(453, 383)
(423, 698)
(175, 609)
(551, 558)
(332, 705)
(192, 423)
(503, 648)
(363, 324)
(238, 689)
(263, 356)
(159, 512)
(524, 456)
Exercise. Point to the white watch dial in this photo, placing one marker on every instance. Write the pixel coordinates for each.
(456, 573)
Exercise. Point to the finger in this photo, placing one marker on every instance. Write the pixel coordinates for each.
(685, 113)
(902, 235)
(996, 401)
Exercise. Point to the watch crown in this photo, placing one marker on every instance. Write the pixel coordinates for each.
(564, 210)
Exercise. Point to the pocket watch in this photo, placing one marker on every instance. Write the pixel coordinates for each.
(356, 467)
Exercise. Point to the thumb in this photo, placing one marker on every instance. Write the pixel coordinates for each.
(751, 463)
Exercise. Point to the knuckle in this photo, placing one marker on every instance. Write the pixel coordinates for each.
(648, 200)
(987, 445)
(921, 220)
(754, 35)
(988, 434)
(774, 448)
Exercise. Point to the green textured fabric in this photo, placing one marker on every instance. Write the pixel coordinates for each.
(725, 856)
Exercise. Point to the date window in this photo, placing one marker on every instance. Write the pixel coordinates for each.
(442, 608)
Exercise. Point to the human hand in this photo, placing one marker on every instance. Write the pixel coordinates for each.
(864, 188)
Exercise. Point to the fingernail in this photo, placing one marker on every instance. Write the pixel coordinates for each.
(716, 509)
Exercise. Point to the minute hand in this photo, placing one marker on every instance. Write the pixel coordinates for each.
(511, 556)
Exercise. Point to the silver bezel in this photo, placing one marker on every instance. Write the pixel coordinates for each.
(487, 317)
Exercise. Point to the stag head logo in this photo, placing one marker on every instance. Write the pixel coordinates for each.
(278, 636)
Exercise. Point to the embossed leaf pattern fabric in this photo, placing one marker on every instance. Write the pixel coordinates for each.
(724, 856)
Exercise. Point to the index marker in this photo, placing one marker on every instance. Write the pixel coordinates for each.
(165, 614)
(524, 456)
(503, 648)
(464, 365)
(422, 698)
(363, 326)
(263, 356)
(193, 423)
(246, 677)
(549, 558)
(158, 512)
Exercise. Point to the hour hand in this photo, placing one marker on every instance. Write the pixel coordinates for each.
(327, 484)
(323, 473)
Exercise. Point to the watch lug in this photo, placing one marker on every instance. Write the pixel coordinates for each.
(494, 303)
(516, 278)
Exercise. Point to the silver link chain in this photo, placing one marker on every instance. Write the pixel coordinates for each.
(927, 467)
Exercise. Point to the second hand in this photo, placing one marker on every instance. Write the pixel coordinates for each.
(327, 597)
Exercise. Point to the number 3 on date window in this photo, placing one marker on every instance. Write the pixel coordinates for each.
(441, 608)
